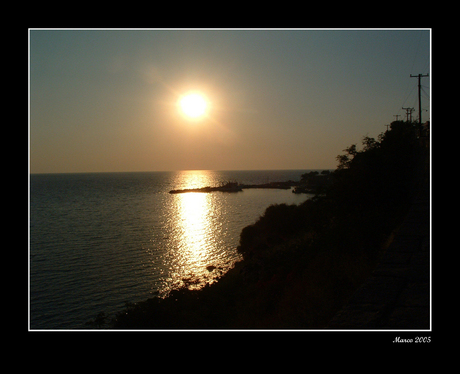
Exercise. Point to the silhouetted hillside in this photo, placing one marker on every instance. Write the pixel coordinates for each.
(301, 263)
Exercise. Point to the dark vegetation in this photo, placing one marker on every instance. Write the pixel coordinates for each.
(314, 182)
(301, 263)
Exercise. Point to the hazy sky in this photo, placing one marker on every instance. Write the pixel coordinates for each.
(106, 100)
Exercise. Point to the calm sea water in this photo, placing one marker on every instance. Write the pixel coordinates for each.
(98, 241)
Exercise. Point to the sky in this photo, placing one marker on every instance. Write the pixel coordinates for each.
(107, 100)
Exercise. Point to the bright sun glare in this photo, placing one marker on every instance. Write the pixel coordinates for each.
(193, 105)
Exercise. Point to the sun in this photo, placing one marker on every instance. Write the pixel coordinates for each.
(193, 105)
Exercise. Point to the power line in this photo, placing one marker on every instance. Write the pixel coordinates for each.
(407, 97)
(408, 113)
(419, 76)
(427, 95)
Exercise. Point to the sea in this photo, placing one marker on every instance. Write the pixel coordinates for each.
(100, 240)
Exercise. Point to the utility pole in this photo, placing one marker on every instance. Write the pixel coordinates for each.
(408, 113)
(396, 116)
(420, 76)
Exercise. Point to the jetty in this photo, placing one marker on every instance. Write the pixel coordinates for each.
(227, 187)
(310, 183)
(236, 187)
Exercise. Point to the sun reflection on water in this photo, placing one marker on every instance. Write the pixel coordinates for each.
(196, 238)
(194, 213)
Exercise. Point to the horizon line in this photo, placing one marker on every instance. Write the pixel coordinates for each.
(167, 171)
